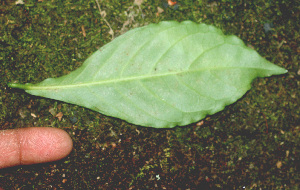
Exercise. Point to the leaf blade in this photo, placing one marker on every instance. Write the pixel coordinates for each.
(161, 75)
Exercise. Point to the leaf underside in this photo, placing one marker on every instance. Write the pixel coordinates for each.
(161, 75)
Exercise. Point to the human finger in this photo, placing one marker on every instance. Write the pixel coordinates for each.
(33, 145)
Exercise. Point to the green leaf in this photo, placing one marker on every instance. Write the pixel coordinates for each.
(161, 75)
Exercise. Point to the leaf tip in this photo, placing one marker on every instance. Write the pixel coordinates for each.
(281, 71)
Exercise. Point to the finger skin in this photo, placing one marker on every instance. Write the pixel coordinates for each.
(33, 145)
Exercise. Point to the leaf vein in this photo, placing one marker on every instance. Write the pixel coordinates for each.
(157, 97)
(196, 91)
(102, 99)
(135, 105)
(147, 42)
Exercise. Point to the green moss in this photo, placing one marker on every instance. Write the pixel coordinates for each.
(237, 147)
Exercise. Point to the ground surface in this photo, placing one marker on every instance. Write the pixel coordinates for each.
(253, 143)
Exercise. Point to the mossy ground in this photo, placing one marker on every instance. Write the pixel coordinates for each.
(253, 143)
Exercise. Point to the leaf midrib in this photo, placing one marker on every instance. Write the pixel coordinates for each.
(118, 80)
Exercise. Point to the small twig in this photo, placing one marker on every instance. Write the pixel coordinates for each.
(280, 44)
(111, 30)
(266, 122)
